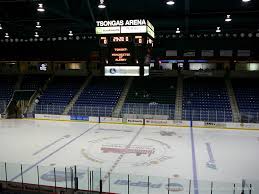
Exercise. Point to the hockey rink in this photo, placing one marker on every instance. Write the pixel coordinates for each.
(114, 151)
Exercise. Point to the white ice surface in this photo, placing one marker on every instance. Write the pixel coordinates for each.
(163, 151)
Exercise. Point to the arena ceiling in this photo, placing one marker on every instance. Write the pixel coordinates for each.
(19, 17)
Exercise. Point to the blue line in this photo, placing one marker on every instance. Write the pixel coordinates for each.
(54, 152)
(194, 166)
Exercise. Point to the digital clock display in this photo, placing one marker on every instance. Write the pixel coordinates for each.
(120, 39)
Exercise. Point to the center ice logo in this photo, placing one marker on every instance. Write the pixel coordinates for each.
(119, 149)
(148, 152)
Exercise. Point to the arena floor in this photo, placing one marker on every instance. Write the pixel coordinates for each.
(181, 154)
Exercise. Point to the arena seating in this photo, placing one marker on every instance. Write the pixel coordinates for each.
(151, 96)
(247, 96)
(7, 84)
(100, 97)
(207, 98)
(58, 94)
(33, 82)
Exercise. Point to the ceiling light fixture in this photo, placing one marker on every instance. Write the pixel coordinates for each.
(40, 8)
(36, 34)
(38, 25)
(6, 35)
(228, 19)
(218, 30)
(245, 1)
(70, 33)
(170, 2)
(177, 31)
(1, 27)
(102, 5)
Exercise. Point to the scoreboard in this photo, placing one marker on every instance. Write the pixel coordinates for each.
(125, 46)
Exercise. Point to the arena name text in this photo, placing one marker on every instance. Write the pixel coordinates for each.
(112, 23)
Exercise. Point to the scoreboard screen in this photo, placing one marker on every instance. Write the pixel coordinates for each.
(120, 39)
(125, 53)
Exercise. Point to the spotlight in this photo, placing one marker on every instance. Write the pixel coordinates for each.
(228, 19)
(102, 5)
(6, 35)
(218, 30)
(40, 8)
(38, 25)
(36, 34)
(70, 33)
(170, 2)
(177, 31)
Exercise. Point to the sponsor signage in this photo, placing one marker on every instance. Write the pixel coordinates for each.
(43, 67)
(94, 119)
(207, 53)
(110, 120)
(226, 53)
(133, 29)
(213, 124)
(151, 32)
(135, 121)
(79, 118)
(150, 26)
(146, 71)
(122, 71)
(171, 53)
(190, 53)
(52, 117)
(243, 53)
(107, 30)
(157, 122)
(173, 187)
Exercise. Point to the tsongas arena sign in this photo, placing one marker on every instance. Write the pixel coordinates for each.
(125, 27)
(112, 23)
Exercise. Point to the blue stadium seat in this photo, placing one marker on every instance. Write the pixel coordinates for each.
(247, 96)
(100, 97)
(58, 94)
(7, 84)
(207, 99)
(153, 96)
